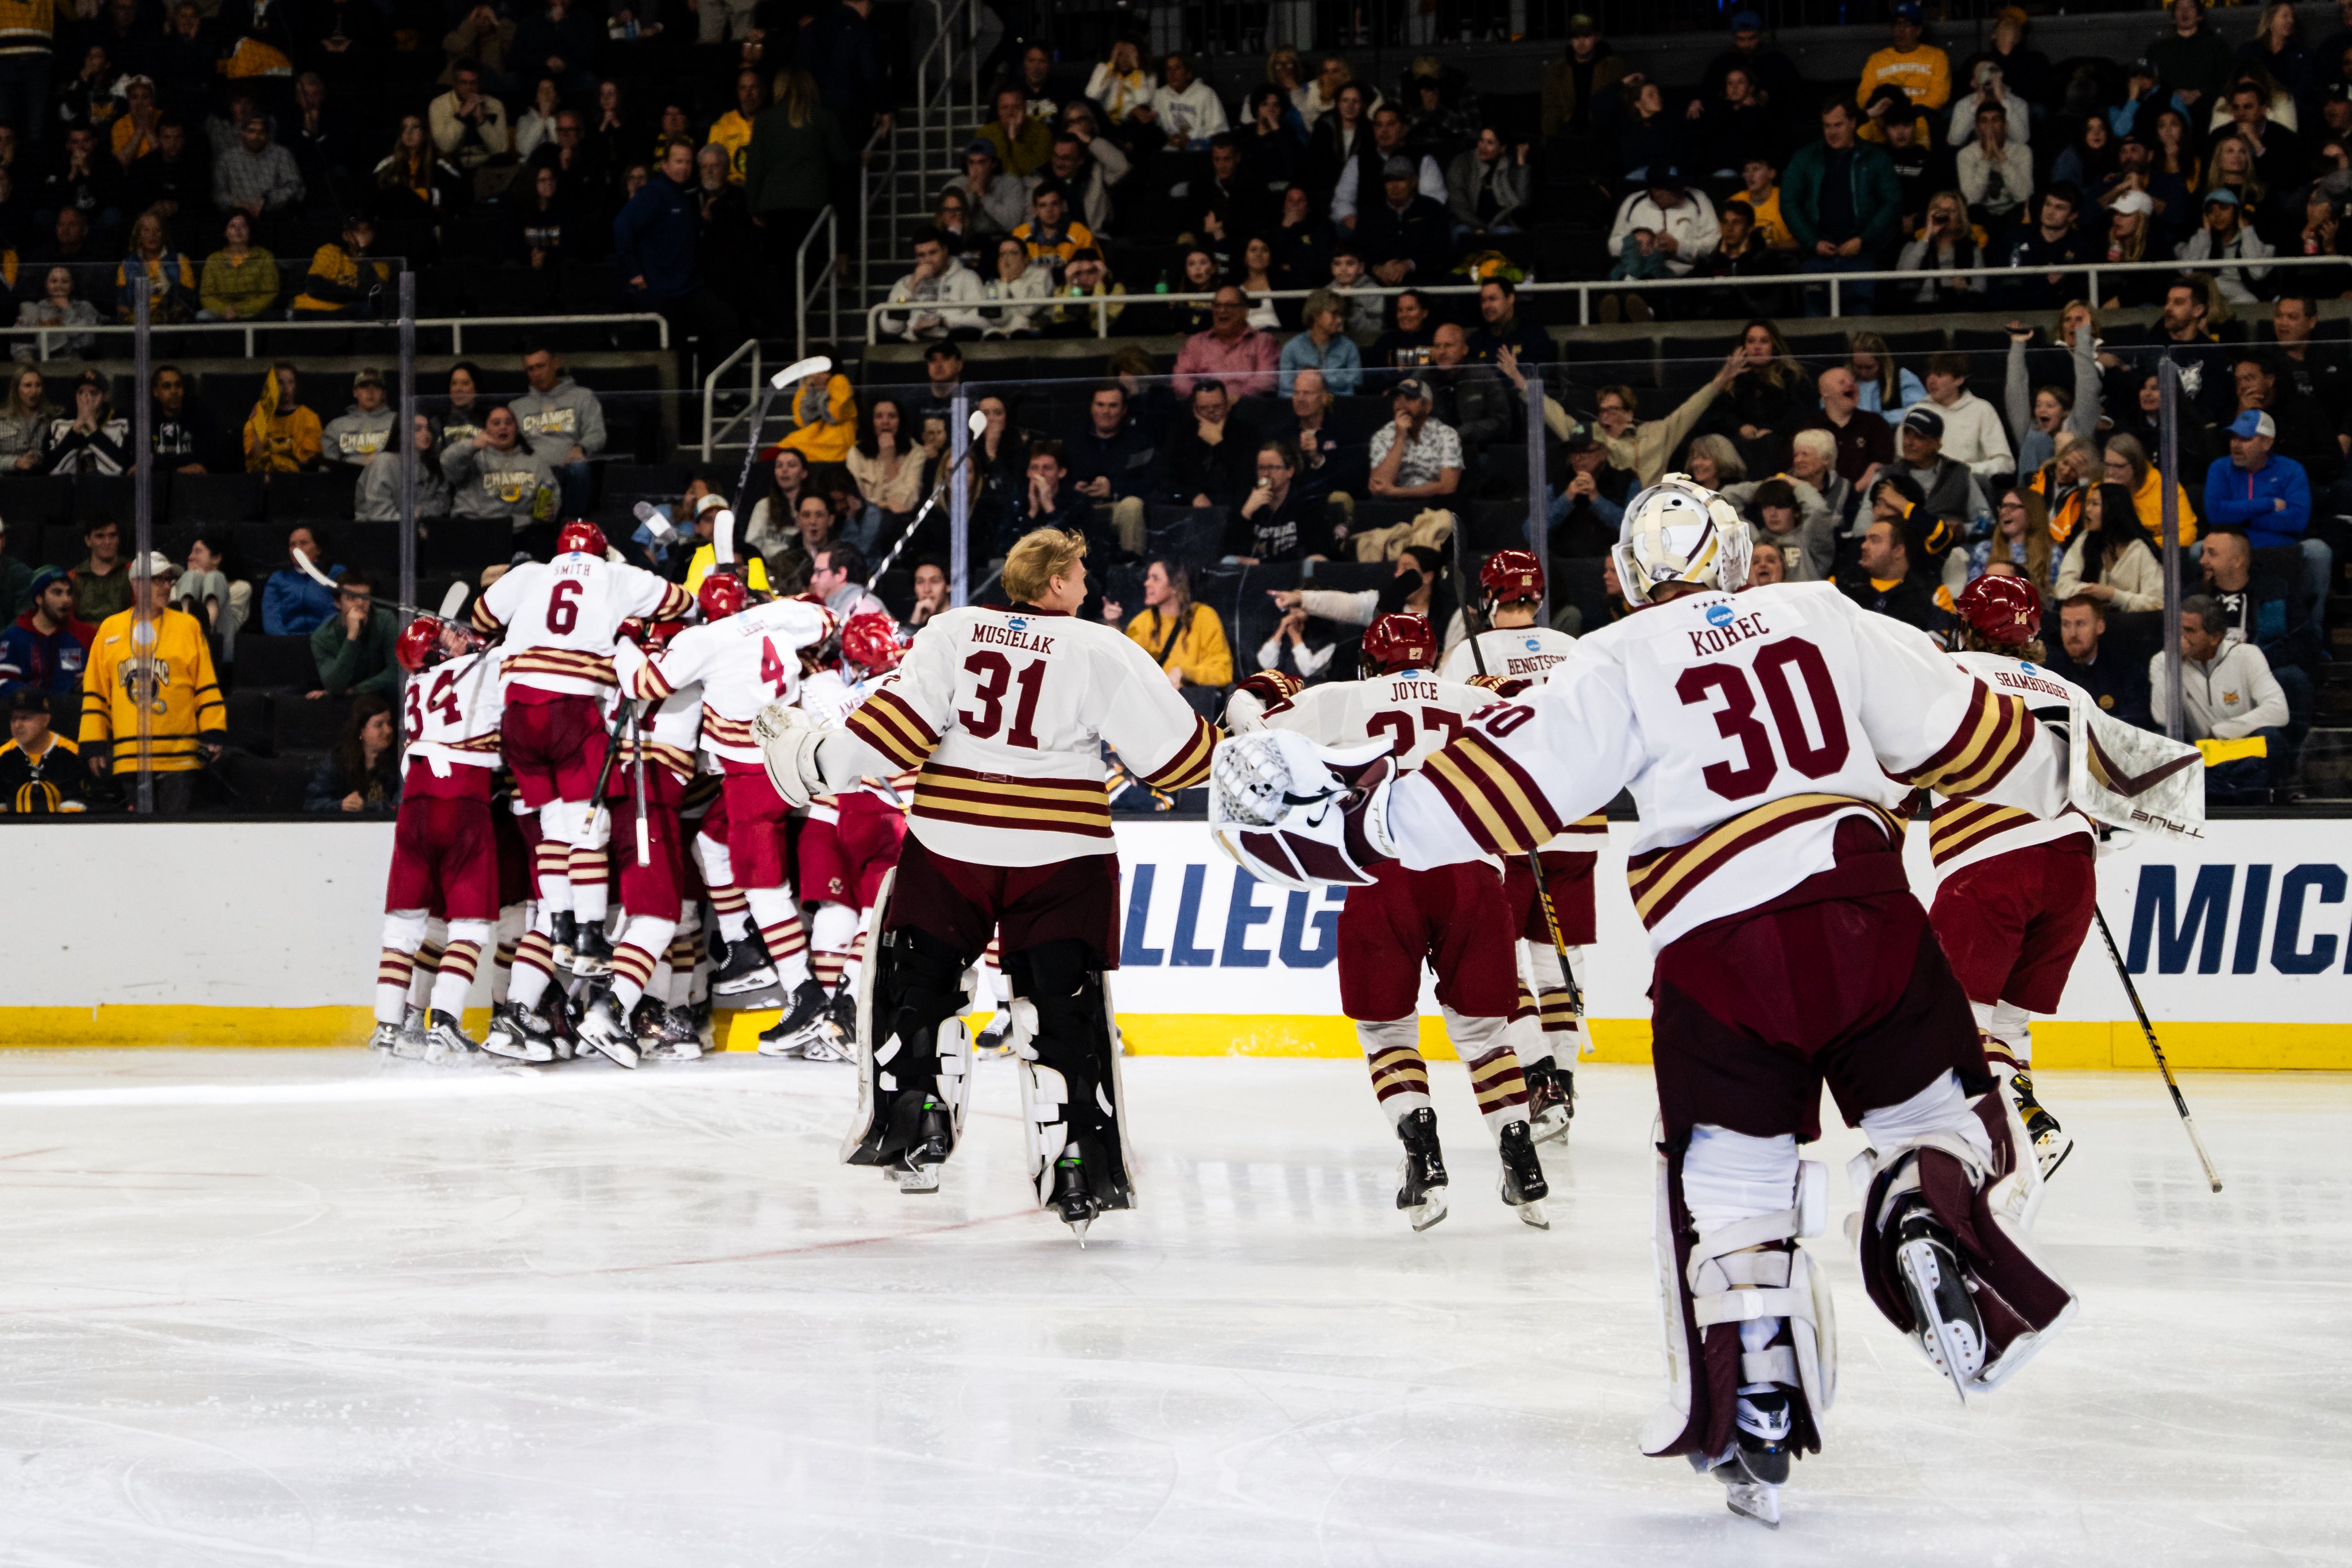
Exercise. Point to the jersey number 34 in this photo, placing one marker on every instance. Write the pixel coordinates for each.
(443, 702)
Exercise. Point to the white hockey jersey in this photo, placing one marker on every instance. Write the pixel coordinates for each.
(1412, 710)
(2029, 807)
(742, 663)
(562, 619)
(451, 713)
(830, 698)
(1511, 654)
(1004, 713)
(1749, 729)
(672, 724)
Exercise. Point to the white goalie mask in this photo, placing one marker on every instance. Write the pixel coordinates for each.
(1678, 531)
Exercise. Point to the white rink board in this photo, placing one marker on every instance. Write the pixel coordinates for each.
(2253, 924)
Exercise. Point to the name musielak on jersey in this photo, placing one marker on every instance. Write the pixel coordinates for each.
(1724, 630)
(1012, 634)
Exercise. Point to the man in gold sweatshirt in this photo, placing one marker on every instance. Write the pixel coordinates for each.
(171, 672)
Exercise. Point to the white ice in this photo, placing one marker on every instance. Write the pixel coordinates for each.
(292, 1307)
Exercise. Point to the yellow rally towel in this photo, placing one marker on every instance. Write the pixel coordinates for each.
(2216, 752)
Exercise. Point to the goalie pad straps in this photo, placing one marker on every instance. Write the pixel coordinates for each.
(1957, 1156)
(911, 1044)
(1069, 1082)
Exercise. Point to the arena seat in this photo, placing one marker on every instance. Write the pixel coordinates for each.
(281, 661)
(200, 498)
(315, 497)
(34, 500)
(300, 723)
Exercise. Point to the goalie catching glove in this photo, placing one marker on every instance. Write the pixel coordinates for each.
(1299, 815)
(793, 747)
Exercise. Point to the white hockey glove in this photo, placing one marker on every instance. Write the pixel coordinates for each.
(1297, 815)
(788, 741)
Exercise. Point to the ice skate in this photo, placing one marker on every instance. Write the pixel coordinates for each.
(1943, 1312)
(1523, 1185)
(602, 1028)
(592, 952)
(563, 931)
(1552, 1100)
(446, 1039)
(747, 980)
(1422, 1192)
(646, 1026)
(917, 1170)
(990, 1041)
(1756, 1467)
(387, 1039)
(844, 1013)
(2051, 1143)
(1074, 1200)
(680, 1036)
(806, 1022)
(519, 1034)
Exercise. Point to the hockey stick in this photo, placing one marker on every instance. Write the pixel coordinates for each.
(1535, 860)
(978, 423)
(2148, 1029)
(637, 749)
(815, 365)
(451, 602)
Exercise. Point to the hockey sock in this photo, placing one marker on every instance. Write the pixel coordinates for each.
(428, 964)
(589, 898)
(1495, 1077)
(550, 862)
(1526, 1031)
(534, 965)
(779, 918)
(459, 963)
(643, 942)
(1562, 1020)
(511, 926)
(395, 965)
(1399, 1076)
(2006, 1032)
(734, 911)
(853, 966)
(832, 931)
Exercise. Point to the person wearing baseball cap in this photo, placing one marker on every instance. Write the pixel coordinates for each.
(169, 670)
(1585, 75)
(2255, 489)
(44, 650)
(1919, 67)
(2226, 235)
(1946, 488)
(1780, 86)
(1415, 458)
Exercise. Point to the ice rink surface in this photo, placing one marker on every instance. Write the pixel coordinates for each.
(294, 1307)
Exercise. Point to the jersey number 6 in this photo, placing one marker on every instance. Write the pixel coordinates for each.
(1736, 719)
(563, 607)
(995, 674)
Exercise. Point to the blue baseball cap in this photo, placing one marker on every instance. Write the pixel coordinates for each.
(1908, 11)
(2252, 423)
(1747, 22)
(2223, 194)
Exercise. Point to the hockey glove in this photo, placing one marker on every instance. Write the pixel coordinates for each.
(1297, 815)
(788, 741)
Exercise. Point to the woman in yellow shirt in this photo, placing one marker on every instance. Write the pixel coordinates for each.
(1184, 639)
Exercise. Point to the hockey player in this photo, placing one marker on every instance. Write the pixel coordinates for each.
(744, 658)
(851, 839)
(1762, 738)
(1452, 916)
(561, 620)
(1516, 650)
(1004, 712)
(2019, 867)
(444, 855)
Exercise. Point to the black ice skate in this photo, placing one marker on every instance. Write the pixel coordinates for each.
(918, 1168)
(679, 1037)
(2051, 1143)
(1551, 1100)
(446, 1038)
(807, 1020)
(1756, 1467)
(746, 979)
(1943, 1313)
(604, 1028)
(1074, 1198)
(991, 1040)
(519, 1034)
(592, 952)
(562, 930)
(646, 1024)
(1421, 1194)
(1523, 1187)
(845, 1019)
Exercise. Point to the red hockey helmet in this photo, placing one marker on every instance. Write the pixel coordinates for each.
(722, 594)
(581, 536)
(418, 646)
(2004, 610)
(1510, 576)
(1396, 643)
(870, 641)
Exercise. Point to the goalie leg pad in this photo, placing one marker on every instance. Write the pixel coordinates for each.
(1067, 1043)
(1743, 1308)
(911, 1043)
(1954, 1154)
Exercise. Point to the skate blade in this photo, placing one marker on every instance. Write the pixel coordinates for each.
(917, 1179)
(1428, 1211)
(1551, 1125)
(784, 1048)
(619, 1051)
(756, 983)
(1533, 1214)
(411, 1050)
(1753, 1499)
(1079, 1229)
(2049, 1157)
(1916, 1262)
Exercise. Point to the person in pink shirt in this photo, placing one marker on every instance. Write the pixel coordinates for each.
(1230, 350)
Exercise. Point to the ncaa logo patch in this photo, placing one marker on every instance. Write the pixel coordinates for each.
(1533, 645)
(1018, 623)
(1716, 615)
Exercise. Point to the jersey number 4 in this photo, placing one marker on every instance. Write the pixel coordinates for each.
(1737, 720)
(996, 676)
(441, 703)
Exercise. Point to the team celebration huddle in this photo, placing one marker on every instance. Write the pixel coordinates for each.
(648, 804)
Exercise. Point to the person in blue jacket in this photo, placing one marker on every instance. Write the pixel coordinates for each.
(2268, 497)
(293, 605)
(656, 240)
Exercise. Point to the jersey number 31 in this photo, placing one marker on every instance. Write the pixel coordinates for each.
(995, 674)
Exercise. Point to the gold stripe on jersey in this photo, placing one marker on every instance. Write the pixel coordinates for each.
(679, 760)
(674, 606)
(1962, 824)
(1596, 823)
(1663, 878)
(1190, 765)
(1993, 739)
(886, 722)
(473, 745)
(573, 663)
(651, 683)
(1078, 806)
(1496, 799)
(483, 621)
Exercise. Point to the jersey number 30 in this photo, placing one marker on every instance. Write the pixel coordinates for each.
(996, 676)
(1736, 719)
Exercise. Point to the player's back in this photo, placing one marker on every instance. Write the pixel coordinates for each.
(2030, 806)
(1508, 653)
(563, 617)
(1412, 710)
(745, 661)
(451, 714)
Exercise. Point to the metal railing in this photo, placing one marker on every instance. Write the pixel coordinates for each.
(829, 223)
(713, 437)
(1585, 289)
(454, 325)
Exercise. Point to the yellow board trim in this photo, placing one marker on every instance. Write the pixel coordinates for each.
(2057, 1045)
